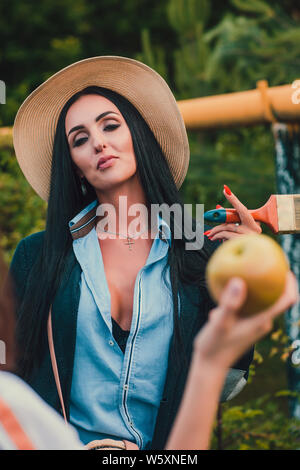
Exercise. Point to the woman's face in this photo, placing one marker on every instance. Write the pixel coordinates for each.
(100, 142)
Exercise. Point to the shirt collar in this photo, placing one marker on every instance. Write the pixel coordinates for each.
(85, 221)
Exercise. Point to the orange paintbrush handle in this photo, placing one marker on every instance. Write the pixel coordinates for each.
(266, 214)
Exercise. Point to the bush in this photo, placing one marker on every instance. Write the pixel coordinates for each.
(22, 210)
(258, 424)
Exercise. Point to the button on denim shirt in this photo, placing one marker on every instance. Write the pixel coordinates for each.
(116, 395)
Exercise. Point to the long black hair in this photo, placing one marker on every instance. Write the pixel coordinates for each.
(66, 199)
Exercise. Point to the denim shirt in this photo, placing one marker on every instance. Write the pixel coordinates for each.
(116, 395)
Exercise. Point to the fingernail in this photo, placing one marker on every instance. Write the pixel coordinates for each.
(227, 190)
(207, 232)
(218, 206)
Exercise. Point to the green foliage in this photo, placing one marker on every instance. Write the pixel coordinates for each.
(259, 424)
(188, 18)
(258, 418)
(155, 57)
(22, 211)
(37, 42)
(249, 49)
(230, 158)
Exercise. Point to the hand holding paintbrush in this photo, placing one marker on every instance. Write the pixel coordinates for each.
(236, 221)
(281, 213)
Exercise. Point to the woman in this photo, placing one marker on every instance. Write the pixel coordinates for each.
(28, 423)
(98, 131)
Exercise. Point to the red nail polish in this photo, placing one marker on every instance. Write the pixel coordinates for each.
(207, 232)
(218, 206)
(227, 190)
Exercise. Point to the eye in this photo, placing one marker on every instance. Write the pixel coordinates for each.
(111, 127)
(79, 142)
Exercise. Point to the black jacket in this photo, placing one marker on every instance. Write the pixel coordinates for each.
(195, 308)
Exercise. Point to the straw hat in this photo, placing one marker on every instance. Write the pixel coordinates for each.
(35, 123)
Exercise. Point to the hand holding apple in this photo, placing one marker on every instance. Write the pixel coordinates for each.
(227, 334)
(259, 261)
(237, 268)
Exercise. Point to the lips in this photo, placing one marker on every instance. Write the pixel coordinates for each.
(103, 160)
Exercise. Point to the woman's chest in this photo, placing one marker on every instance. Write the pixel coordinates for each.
(121, 268)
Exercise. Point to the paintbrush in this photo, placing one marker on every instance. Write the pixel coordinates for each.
(281, 213)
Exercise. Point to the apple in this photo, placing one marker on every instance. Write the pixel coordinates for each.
(259, 261)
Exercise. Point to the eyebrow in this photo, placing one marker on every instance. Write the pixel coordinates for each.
(81, 126)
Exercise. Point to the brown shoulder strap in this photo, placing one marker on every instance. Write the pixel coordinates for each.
(54, 365)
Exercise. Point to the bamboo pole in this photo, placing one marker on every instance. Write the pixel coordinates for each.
(244, 108)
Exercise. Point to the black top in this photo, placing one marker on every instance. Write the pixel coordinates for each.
(120, 335)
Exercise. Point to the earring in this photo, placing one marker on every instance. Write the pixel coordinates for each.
(83, 187)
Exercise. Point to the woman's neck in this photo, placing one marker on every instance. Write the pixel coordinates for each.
(124, 205)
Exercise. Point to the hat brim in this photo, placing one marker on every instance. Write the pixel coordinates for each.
(35, 123)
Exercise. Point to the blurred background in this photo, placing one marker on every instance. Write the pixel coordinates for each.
(201, 48)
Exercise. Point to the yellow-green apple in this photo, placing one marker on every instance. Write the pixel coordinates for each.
(258, 260)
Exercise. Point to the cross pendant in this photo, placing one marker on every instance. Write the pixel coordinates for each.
(129, 243)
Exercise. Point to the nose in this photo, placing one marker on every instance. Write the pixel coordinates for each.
(98, 141)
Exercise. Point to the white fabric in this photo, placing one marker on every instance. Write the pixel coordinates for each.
(44, 426)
